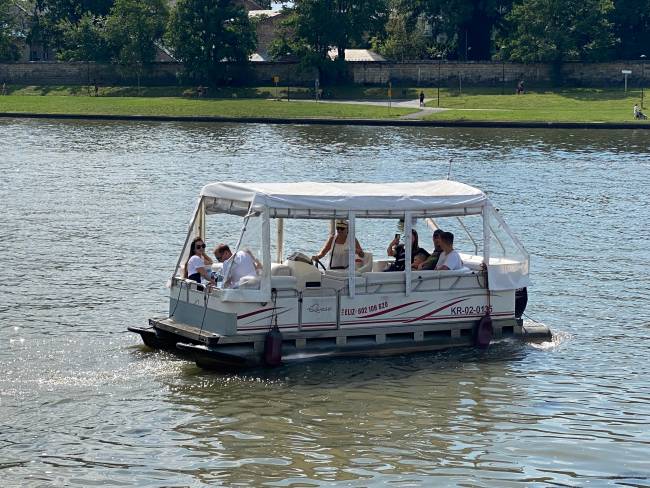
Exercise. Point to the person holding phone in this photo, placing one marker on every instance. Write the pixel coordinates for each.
(397, 250)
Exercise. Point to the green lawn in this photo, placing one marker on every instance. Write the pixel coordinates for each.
(187, 107)
(573, 105)
(473, 104)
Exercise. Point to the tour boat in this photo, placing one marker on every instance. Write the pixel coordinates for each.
(291, 309)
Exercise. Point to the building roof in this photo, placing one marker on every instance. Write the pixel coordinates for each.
(357, 55)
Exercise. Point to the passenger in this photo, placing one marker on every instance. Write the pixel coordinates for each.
(419, 259)
(235, 267)
(198, 264)
(396, 249)
(431, 262)
(449, 259)
(338, 244)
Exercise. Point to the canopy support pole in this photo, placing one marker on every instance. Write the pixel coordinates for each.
(280, 242)
(408, 251)
(352, 247)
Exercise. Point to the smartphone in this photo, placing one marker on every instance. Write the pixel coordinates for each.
(397, 236)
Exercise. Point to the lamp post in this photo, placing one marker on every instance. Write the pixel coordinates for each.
(439, 56)
(642, 77)
(503, 71)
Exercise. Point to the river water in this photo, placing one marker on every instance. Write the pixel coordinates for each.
(92, 219)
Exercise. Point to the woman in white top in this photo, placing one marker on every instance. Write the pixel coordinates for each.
(338, 244)
(198, 264)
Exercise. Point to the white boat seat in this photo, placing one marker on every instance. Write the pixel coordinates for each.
(381, 265)
(278, 269)
(284, 282)
(366, 263)
(249, 282)
(304, 273)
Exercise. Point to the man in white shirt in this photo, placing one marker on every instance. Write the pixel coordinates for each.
(449, 259)
(236, 267)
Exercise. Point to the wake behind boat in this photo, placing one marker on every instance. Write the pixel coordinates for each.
(287, 308)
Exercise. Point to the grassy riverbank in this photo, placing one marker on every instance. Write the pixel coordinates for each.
(573, 105)
(179, 107)
(472, 104)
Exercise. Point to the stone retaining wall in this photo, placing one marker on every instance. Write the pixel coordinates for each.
(449, 73)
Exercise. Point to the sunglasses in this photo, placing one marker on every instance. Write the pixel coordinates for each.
(341, 228)
(199, 246)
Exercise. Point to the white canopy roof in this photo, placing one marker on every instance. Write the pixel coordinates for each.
(373, 198)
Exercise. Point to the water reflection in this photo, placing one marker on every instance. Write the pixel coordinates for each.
(334, 420)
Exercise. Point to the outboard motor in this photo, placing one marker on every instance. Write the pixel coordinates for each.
(273, 347)
(273, 339)
(483, 332)
(521, 300)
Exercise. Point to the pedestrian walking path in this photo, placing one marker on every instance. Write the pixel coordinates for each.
(413, 104)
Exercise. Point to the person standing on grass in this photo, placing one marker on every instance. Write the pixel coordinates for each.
(520, 88)
(421, 99)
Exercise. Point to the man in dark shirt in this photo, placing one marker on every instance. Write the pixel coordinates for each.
(431, 262)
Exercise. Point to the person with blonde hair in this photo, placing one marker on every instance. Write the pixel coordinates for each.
(338, 245)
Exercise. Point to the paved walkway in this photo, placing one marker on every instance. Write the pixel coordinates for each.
(413, 104)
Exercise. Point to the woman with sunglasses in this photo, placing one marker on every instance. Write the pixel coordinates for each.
(198, 264)
(338, 244)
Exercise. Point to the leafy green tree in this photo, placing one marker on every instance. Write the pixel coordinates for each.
(85, 40)
(132, 29)
(405, 38)
(54, 23)
(464, 28)
(204, 33)
(556, 31)
(314, 27)
(8, 48)
(73, 10)
(631, 19)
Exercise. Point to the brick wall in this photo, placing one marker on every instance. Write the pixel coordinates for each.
(450, 73)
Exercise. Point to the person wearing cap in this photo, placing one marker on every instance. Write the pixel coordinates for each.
(432, 260)
(338, 245)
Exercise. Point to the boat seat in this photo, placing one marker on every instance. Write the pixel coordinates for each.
(471, 261)
(381, 265)
(366, 263)
(284, 282)
(278, 269)
(303, 273)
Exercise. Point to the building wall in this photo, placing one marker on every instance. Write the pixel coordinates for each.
(421, 73)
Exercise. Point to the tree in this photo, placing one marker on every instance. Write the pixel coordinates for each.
(556, 31)
(405, 38)
(313, 27)
(73, 10)
(465, 28)
(631, 19)
(8, 48)
(205, 33)
(132, 29)
(85, 40)
(55, 23)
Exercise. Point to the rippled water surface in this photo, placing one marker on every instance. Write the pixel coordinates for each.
(92, 218)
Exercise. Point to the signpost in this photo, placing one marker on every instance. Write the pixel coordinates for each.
(625, 73)
(390, 94)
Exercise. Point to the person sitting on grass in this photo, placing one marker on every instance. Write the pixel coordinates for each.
(638, 114)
